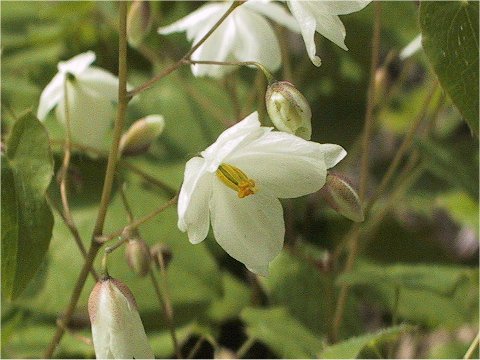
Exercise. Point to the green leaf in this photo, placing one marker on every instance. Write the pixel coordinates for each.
(439, 279)
(461, 207)
(27, 220)
(352, 348)
(450, 40)
(283, 333)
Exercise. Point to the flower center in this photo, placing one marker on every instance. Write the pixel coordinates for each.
(236, 180)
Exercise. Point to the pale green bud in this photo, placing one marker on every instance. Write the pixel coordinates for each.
(288, 109)
(139, 22)
(138, 256)
(117, 330)
(342, 197)
(141, 134)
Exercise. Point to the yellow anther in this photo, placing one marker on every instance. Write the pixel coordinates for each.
(236, 180)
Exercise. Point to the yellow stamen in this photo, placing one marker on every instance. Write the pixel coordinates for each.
(236, 180)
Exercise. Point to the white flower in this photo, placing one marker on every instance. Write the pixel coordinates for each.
(91, 94)
(117, 329)
(243, 36)
(236, 184)
(321, 16)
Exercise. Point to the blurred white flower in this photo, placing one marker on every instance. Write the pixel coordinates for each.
(322, 16)
(237, 181)
(412, 48)
(117, 329)
(244, 35)
(92, 92)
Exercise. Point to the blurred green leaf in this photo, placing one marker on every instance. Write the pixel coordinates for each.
(450, 40)
(442, 280)
(352, 348)
(279, 330)
(450, 350)
(27, 220)
(461, 207)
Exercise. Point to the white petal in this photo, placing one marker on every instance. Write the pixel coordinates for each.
(51, 95)
(91, 116)
(193, 200)
(344, 7)
(414, 46)
(256, 40)
(275, 12)
(332, 28)
(250, 230)
(333, 154)
(100, 81)
(234, 138)
(308, 27)
(216, 48)
(283, 165)
(198, 17)
(77, 64)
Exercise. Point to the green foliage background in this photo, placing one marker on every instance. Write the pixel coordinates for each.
(423, 252)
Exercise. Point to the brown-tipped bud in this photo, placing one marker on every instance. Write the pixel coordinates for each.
(288, 109)
(139, 22)
(341, 197)
(141, 134)
(161, 253)
(224, 353)
(138, 256)
(117, 329)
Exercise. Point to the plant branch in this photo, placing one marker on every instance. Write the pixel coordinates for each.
(107, 186)
(473, 346)
(184, 60)
(364, 170)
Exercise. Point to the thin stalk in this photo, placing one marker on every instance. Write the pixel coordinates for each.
(168, 189)
(163, 296)
(184, 60)
(245, 347)
(473, 346)
(107, 187)
(196, 347)
(66, 213)
(364, 164)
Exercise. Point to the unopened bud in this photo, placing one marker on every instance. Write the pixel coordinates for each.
(139, 22)
(224, 353)
(288, 109)
(161, 254)
(117, 329)
(141, 134)
(341, 197)
(138, 256)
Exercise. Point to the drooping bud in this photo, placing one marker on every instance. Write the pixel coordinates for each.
(138, 256)
(141, 134)
(341, 197)
(288, 109)
(139, 22)
(161, 254)
(117, 329)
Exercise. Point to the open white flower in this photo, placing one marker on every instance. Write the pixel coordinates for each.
(322, 16)
(117, 329)
(237, 181)
(244, 35)
(92, 92)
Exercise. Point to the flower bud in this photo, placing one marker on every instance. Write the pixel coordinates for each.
(288, 109)
(139, 22)
(138, 256)
(141, 134)
(224, 353)
(341, 197)
(161, 252)
(117, 329)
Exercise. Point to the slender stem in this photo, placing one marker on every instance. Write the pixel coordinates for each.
(245, 347)
(184, 60)
(364, 162)
(196, 347)
(66, 213)
(135, 224)
(163, 295)
(473, 346)
(83, 339)
(396, 302)
(107, 187)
